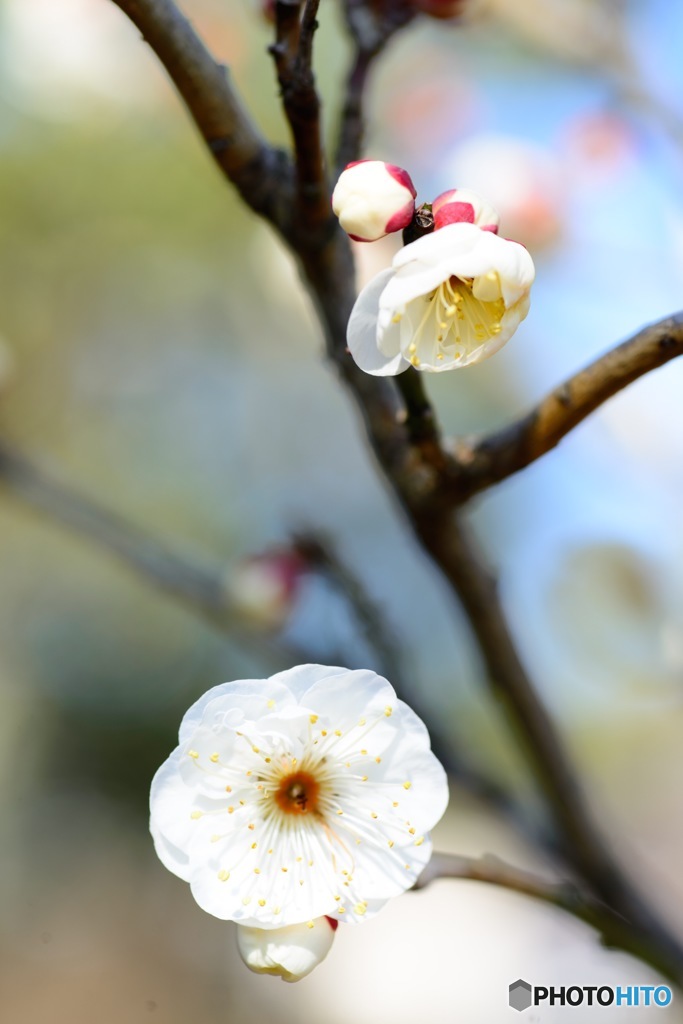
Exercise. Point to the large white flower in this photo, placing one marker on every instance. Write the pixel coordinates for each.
(452, 298)
(307, 794)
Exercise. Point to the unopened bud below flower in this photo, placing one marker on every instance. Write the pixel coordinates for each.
(461, 205)
(289, 953)
(372, 199)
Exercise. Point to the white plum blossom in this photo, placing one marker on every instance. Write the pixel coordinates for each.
(372, 199)
(452, 298)
(289, 953)
(305, 795)
(462, 206)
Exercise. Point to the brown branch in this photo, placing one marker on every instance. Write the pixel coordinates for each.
(194, 584)
(292, 53)
(488, 460)
(261, 173)
(370, 26)
(565, 895)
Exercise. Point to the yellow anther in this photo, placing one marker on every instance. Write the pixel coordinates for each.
(361, 721)
(407, 785)
(412, 831)
(394, 803)
(276, 910)
(390, 843)
(396, 318)
(364, 778)
(230, 810)
(196, 814)
(193, 754)
(310, 863)
(257, 871)
(420, 841)
(285, 870)
(271, 703)
(412, 348)
(312, 719)
(451, 310)
(360, 908)
(246, 901)
(340, 910)
(261, 903)
(251, 827)
(340, 812)
(373, 814)
(388, 711)
(299, 859)
(223, 876)
(378, 760)
(310, 924)
(323, 732)
(337, 732)
(228, 789)
(214, 839)
(337, 898)
(214, 757)
(254, 845)
(256, 750)
(267, 760)
(414, 361)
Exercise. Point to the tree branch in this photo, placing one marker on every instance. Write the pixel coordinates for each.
(488, 460)
(292, 52)
(565, 895)
(262, 174)
(193, 584)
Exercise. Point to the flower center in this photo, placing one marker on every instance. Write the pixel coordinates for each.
(455, 323)
(298, 793)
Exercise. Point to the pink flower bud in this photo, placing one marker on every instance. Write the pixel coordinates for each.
(372, 199)
(461, 206)
(263, 588)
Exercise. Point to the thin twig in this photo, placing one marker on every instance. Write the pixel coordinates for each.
(488, 460)
(320, 553)
(565, 895)
(261, 173)
(196, 585)
(352, 121)
(292, 53)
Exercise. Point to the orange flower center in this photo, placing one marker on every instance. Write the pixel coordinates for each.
(297, 793)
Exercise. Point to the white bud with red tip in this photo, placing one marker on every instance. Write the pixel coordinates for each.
(462, 206)
(289, 953)
(373, 199)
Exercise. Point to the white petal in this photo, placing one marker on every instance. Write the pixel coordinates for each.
(290, 953)
(362, 333)
(302, 677)
(255, 694)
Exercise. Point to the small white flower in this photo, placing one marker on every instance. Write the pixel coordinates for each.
(452, 298)
(307, 794)
(372, 199)
(290, 953)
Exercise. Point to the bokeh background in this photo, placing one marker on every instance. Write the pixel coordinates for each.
(159, 356)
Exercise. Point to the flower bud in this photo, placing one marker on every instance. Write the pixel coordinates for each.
(263, 588)
(289, 953)
(372, 199)
(462, 206)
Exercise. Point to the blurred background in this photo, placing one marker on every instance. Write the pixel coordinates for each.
(158, 356)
